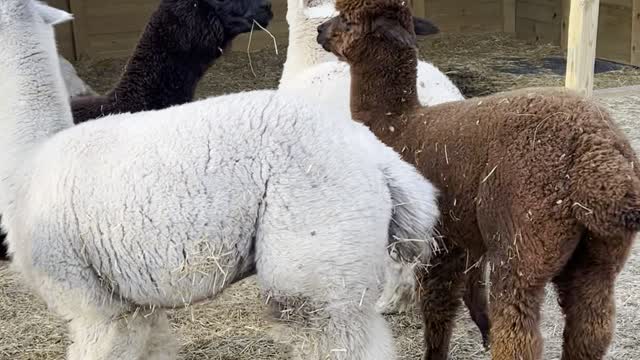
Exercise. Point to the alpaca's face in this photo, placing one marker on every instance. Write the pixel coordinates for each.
(366, 34)
(209, 25)
(335, 35)
(238, 16)
(39, 14)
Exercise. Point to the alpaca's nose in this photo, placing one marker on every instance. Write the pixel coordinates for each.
(267, 7)
(322, 27)
(264, 15)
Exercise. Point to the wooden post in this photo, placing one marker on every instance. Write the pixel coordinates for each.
(64, 32)
(509, 16)
(80, 27)
(635, 33)
(564, 25)
(419, 8)
(581, 45)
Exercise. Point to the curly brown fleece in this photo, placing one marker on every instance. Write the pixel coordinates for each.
(538, 182)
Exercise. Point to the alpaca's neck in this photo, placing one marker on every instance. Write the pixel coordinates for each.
(303, 50)
(158, 74)
(33, 103)
(383, 93)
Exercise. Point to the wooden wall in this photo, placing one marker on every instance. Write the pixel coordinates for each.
(539, 20)
(64, 32)
(105, 29)
(618, 26)
(111, 28)
(465, 15)
(614, 30)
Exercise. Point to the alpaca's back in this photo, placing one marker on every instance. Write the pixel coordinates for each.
(330, 83)
(112, 188)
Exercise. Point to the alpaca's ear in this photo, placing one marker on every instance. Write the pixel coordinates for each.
(424, 26)
(51, 15)
(324, 11)
(394, 32)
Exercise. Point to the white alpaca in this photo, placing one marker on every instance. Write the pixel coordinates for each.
(311, 71)
(319, 74)
(303, 52)
(75, 86)
(114, 220)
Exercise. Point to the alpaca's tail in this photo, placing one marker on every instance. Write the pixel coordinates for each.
(414, 215)
(605, 183)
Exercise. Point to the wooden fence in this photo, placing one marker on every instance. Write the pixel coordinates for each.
(111, 28)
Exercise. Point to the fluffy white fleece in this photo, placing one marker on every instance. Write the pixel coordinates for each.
(312, 72)
(113, 221)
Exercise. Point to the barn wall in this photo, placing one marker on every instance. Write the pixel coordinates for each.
(614, 30)
(64, 32)
(539, 20)
(105, 29)
(465, 15)
(548, 21)
(111, 28)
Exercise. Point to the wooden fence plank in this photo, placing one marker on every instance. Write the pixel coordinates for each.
(509, 16)
(80, 28)
(635, 33)
(581, 46)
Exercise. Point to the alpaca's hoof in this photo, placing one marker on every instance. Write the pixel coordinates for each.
(386, 309)
(387, 306)
(391, 307)
(485, 342)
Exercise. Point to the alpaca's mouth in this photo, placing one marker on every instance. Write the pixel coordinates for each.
(263, 16)
(323, 41)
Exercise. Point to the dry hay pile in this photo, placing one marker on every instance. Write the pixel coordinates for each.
(233, 326)
(481, 64)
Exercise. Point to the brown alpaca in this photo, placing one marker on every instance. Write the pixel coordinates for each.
(539, 183)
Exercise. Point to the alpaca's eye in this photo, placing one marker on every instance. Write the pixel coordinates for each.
(215, 2)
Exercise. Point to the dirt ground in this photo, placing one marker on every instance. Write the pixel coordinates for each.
(233, 326)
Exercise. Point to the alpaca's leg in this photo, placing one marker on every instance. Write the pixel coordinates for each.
(515, 316)
(325, 295)
(440, 289)
(475, 298)
(317, 261)
(99, 336)
(327, 311)
(162, 344)
(586, 292)
(101, 326)
(523, 261)
(338, 330)
(399, 288)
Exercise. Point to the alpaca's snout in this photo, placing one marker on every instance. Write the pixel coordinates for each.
(322, 37)
(264, 15)
(323, 27)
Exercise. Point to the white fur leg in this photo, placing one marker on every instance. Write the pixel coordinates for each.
(320, 279)
(97, 337)
(345, 332)
(162, 344)
(398, 295)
